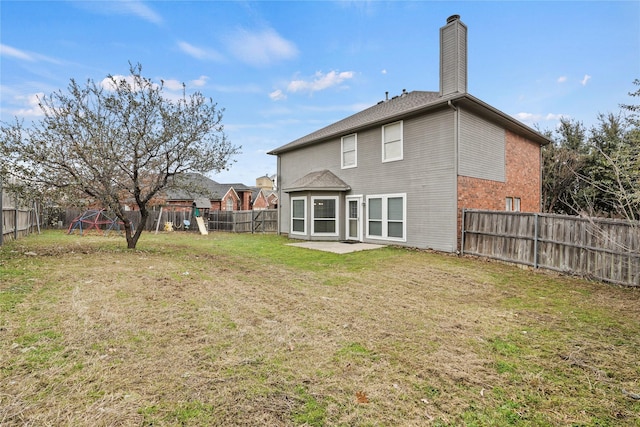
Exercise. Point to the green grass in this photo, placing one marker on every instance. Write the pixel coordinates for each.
(231, 329)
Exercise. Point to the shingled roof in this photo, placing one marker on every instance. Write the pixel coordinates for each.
(404, 105)
(382, 111)
(193, 186)
(323, 180)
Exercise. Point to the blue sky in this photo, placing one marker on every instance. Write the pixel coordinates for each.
(284, 69)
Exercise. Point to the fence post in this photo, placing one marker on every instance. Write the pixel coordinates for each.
(462, 234)
(233, 215)
(535, 240)
(15, 216)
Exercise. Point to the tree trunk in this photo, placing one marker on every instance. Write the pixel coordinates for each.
(144, 214)
(131, 240)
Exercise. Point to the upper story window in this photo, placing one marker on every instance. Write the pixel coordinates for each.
(392, 142)
(349, 151)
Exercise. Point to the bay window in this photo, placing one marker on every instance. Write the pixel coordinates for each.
(324, 216)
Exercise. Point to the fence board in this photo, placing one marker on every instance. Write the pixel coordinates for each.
(18, 217)
(604, 249)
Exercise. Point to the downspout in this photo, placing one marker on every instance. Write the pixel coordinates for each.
(456, 133)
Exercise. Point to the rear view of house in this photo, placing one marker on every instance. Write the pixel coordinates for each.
(401, 171)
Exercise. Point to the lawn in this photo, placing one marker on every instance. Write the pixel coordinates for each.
(231, 329)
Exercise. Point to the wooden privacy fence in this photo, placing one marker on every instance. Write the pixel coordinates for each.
(257, 221)
(603, 249)
(19, 218)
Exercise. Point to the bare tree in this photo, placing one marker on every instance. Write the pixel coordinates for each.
(115, 143)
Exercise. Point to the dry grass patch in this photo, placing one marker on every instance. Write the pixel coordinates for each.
(244, 330)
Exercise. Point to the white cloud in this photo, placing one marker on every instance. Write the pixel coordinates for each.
(585, 79)
(141, 10)
(261, 48)
(15, 53)
(200, 81)
(31, 103)
(277, 95)
(123, 7)
(173, 84)
(6, 50)
(108, 84)
(320, 81)
(562, 79)
(532, 118)
(200, 53)
(383, 72)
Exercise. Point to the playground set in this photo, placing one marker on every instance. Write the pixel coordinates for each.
(173, 218)
(95, 219)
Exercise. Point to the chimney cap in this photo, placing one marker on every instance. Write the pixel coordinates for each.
(453, 18)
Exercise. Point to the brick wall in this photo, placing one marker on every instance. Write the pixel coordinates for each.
(246, 201)
(260, 202)
(523, 180)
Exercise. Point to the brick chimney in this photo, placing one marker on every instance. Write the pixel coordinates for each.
(453, 57)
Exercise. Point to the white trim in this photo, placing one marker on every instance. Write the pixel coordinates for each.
(393, 159)
(336, 217)
(304, 219)
(385, 220)
(358, 200)
(355, 164)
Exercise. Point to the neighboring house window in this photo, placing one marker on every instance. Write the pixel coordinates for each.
(512, 204)
(392, 142)
(386, 217)
(230, 204)
(298, 215)
(349, 151)
(324, 215)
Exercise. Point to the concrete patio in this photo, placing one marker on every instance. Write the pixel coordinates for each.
(337, 247)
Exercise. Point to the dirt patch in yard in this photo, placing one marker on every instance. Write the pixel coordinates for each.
(216, 331)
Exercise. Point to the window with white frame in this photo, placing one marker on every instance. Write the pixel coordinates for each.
(512, 204)
(299, 215)
(386, 217)
(349, 148)
(392, 142)
(229, 203)
(324, 215)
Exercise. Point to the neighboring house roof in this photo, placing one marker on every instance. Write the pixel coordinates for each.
(202, 202)
(406, 105)
(193, 186)
(271, 193)
(323, 180)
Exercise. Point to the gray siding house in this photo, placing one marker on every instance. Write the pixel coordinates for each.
(400, 171)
